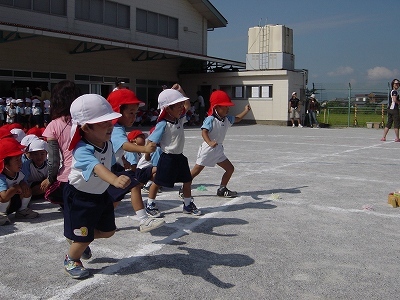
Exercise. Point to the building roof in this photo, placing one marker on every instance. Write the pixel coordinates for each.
(213, 16)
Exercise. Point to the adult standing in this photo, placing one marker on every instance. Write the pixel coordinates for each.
(393, 112)
(312, 109)
(294, 108)
(58, 133)
(202, 106)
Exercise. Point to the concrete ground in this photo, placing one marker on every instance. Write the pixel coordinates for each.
(311, 222)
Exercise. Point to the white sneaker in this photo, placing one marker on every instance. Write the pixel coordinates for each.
(150, 224)
(293, 125)
(301, 126)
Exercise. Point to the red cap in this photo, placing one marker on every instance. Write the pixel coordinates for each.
(36, 131)
(10, 147)
(134, 134)
(5, 132)
(123, 96)
(219, 98)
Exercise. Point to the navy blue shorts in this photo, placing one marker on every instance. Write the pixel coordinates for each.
(118, 194)
(144, 175)
(172, 168)
(84, 212)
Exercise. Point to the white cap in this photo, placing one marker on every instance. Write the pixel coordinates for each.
(168, 97)
(46, 103)
(89, 109)
(28, 100)
(312, 96)
(294, 93)
(13, 101)
(35, 101)
(20, 101)
(29, 138)
(37, 145)
(18, 134)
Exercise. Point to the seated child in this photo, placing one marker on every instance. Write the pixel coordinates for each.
(15, 193)
(35, 168)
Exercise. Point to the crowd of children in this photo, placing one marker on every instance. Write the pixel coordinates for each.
(85, 161)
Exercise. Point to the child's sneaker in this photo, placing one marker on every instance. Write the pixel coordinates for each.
(4, 219)
(224, 192)
(75, 269)
(191, 209)
(145, 190)
(152, 210)
(150, 224)
(181, 193)
(26, 213)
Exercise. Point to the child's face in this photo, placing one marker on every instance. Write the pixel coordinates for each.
(175, 110)
(38, 157)
(128, 115)
(222, 111)
(14, 164)
(98, 133)
(140, 140)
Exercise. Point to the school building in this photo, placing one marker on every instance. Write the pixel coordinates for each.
(147, 44)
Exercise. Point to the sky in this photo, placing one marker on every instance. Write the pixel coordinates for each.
(342, 43)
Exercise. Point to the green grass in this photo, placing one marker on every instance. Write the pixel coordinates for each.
(340, 118)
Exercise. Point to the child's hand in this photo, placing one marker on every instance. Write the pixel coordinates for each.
(122, 182)
(212, 144)
(177, 87)
(248, 107)
(150, 147)
(25, 189)
(45, 184)
(16, 189)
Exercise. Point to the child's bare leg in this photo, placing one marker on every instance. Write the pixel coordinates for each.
(103, 234)
(229, 168)
(196, 170)
(153, 190)
(136, 198)
(187, 189)
(76, 250)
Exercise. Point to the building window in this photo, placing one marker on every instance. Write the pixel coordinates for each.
(157, 24)
(103, 12)
(259, 91)
(53, 7)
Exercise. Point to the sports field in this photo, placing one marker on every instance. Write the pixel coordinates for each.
(311, 222)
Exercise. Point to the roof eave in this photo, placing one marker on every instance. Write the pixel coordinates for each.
(214, 18)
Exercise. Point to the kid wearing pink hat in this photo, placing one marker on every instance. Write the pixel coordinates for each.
(15, 193)
(172, 166)
(88, 208)
(213, 131)
(126, 103)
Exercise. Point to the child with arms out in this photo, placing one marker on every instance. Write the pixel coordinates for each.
(213, 131)
(88, 209)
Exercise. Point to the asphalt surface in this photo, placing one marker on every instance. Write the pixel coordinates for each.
(311, 222)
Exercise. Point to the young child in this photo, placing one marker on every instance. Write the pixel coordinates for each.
(15, 193)
(124, 101)
(11, 112)
(35, 168)
(213, 131)
(172, 166)
(20, 112)
(136, 137)
(88, 209)
(28, 112)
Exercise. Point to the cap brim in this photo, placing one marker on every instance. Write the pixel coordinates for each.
(107, 117)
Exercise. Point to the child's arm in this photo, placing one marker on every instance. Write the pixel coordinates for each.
(131, 147)
(240, 116)
(6, 195)
(121, 181)
(206, 138)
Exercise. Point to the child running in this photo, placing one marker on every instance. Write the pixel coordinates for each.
(88, 209)
(169, 133)
(213, 131)
(126, 103)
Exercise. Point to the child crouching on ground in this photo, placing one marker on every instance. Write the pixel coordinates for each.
(35, 168)
(15, 193)
(88, 209)
(213, 131)
(172, 166)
